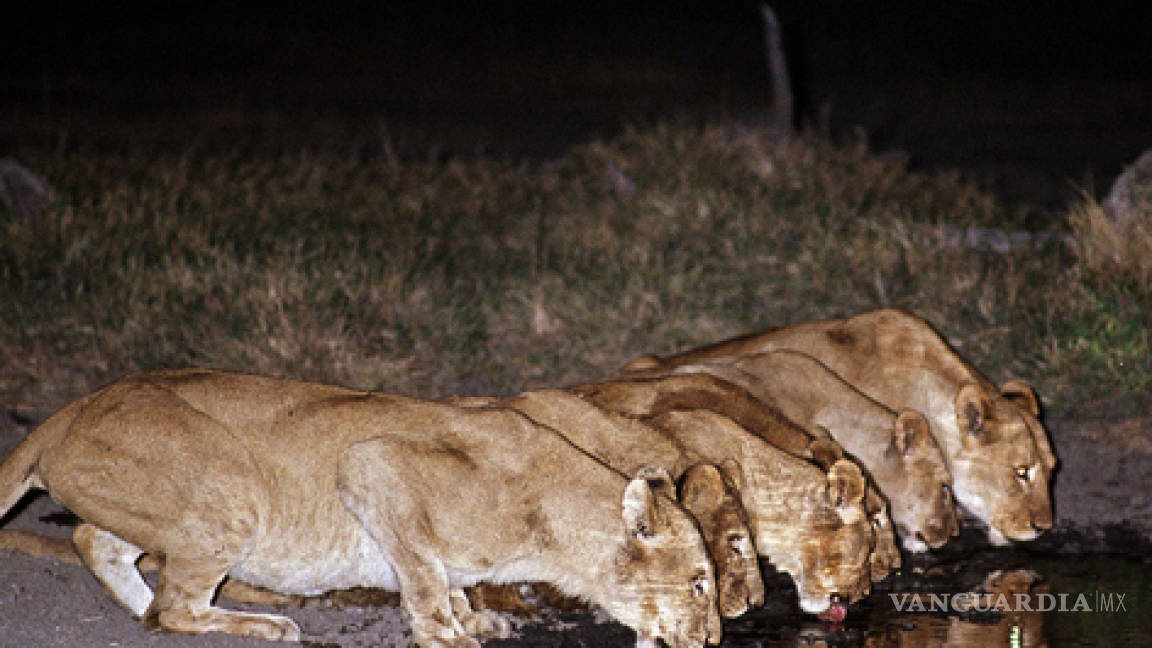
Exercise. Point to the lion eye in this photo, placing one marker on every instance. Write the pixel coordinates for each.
(699, 585)
(946, 489)
(734, 542)
(1022, 473)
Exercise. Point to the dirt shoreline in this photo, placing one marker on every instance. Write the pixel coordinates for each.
(1101, 496)
(1101, 506)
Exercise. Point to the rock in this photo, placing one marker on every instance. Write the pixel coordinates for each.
(22, 191)
(1129, 201)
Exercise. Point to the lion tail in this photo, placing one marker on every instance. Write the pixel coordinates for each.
(39, 546)
(18, 471)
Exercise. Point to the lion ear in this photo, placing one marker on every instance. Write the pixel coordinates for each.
(973, 409)
(642, 517)
(874, 502)
(1021, 393)
(733, 474)
(659, 481)
(702, 490)
(910, 431)
(819, 432)
(639, 510)
(845, 484)
(825, 452)
(643, 362)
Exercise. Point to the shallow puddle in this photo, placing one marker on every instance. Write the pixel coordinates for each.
(993, 599)
(967, 598)
(1029, 597)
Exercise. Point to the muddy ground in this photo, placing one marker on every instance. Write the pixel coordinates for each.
(1100, 505)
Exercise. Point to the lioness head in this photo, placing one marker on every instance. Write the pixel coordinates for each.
(836, 545)
(918, 485)
(885, 554)
(666, 586)
(709, 497)
(1002, 470)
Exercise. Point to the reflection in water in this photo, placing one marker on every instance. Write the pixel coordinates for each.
(1058, 603)
(1011, 600)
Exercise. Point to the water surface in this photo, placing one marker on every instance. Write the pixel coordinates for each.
(994, 599)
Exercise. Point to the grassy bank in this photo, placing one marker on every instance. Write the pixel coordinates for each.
(432, 277)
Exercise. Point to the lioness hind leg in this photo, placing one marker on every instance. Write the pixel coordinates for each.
(479, 623)
(183, 603)
(113, 561)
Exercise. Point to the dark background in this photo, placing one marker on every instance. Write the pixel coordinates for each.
(1033, 100)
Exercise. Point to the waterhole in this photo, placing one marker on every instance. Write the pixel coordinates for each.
(971, 598)
(991, 599)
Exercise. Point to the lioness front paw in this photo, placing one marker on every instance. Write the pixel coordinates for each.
(270, 628)
(456, 642)
(486, 623)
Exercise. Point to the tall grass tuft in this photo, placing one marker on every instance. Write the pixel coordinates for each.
(1113, 250)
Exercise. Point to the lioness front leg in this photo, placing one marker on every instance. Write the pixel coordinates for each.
(479, 623)
(375, 485)
(183, 603)
(424, 593)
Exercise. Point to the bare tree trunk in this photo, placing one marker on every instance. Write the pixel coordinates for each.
(782, 104)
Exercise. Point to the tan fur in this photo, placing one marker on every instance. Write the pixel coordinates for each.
(304, 488)
(712, 500)
(896, 448)
(509, 597)
(996, 448)
(807, 521)
(704, 491)
(647, 398)
(40, 546)
(822, 511)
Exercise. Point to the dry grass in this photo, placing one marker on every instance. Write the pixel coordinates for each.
(480, 276)
(1115, 251)
(1108, 303)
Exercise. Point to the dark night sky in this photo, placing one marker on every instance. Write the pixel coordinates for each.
(476, 61)
(839, 36)
(842, 36)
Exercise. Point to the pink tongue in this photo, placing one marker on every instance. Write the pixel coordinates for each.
(836, 613)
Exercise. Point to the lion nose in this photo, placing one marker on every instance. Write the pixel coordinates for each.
(939, 532)
(756, 596)
(934, 538)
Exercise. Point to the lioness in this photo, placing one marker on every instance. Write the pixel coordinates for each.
(303, 488)
(896, 448)
(997, 451)
(704, 491)
(809, 522)
(649, 398)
